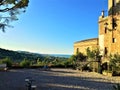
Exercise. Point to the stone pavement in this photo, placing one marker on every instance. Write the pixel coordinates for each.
(56, 79)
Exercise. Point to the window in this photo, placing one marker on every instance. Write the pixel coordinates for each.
(77, 51)
(114, 23)
(105, 29)
(106, 51)
(114, 3)
(114, 40)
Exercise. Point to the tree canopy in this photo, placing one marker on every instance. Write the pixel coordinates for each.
(9, 9)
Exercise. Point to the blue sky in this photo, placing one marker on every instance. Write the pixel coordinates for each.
(52, 26)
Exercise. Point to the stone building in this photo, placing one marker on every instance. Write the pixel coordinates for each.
(108, 40)
(81, 46)
(109, 29)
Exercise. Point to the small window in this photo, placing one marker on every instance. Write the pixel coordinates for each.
(77, 51)
(114, 3)
(114, 40)
(114, 23)
(106, 51)
(105, 29)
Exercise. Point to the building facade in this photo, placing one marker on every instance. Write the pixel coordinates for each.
(109, 29)
(81, 46)
(108, 40)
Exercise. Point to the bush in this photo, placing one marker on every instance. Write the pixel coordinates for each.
(116, 73)
(116, 87)
(115, 62)
(25, 63)
(86, 68)
(7, 61)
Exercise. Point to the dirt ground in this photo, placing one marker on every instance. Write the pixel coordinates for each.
(56, 79)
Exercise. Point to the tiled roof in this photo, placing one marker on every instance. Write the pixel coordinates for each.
(87, 40)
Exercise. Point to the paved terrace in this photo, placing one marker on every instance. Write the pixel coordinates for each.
(56, 79)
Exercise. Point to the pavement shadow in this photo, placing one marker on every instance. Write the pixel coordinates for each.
(51, 80)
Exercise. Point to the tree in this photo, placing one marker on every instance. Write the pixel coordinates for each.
(25, 63)
(80, 57)
(7, 61)
(93, 54)
(90, 53)
(115, 62)
(76, 60)
(72, 59)
(47, 60)
(94, 59)
(9, 9)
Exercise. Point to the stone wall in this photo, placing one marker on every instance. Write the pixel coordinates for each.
(109, 38)
(81, 46)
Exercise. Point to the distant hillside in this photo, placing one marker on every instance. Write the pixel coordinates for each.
(35, 59)
(18, 55)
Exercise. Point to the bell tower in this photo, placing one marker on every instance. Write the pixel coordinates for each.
(113, 6)
(109, 32)
(111, 3)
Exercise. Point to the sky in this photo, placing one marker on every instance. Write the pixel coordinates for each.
(52, 26)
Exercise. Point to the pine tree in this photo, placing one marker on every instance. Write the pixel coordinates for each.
(9, 9)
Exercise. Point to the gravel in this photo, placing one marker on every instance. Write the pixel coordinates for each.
(56, 79)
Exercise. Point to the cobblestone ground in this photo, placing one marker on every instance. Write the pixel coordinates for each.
(56, 79)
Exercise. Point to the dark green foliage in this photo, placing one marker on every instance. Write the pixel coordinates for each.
(116, 87)
(34, 59)
(9, 10)
(86, 68)
(72, 60)
(80, 57)
(7, 61)
(115, 62)
(93, 54)
(58, 61)
(75, 60)
(47, 60)
(90, 53)
(18, 56)
(25, 63)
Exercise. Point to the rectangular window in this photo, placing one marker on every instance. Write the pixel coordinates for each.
(106, 51)
(113, 23)
(77, 51)
(114, 40)
(105, 29)
(114, 3)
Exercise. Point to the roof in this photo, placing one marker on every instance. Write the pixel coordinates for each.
(87, 40)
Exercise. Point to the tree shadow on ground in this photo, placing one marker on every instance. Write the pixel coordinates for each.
(50, 80)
